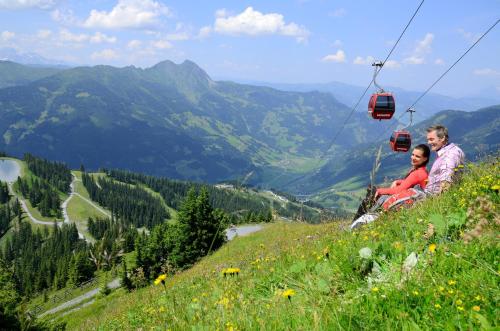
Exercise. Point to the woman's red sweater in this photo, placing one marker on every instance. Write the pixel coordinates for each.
(415, 177)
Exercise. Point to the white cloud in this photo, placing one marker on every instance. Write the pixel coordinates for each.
(337, 43)
(421, 50)
(43, 34)
(204, 32)
(105, 54)
(392, 64)
(414, 60)
(128, 14)
(486, 72)
(364, 61)
(134, 44)
(254, 23)
(181, 33)
(26, 4)
(469, 36)
(340, 12)
(221, 13)
(7, 35)
(424, 45)
(439, 62)
(338, 57)
(162, 44)
(67, 36)
(99, 37)
(66, 17)
(177, 36)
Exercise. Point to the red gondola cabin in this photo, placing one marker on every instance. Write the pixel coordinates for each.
(400, 141)
(381, 106)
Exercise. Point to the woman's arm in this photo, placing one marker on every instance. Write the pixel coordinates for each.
(413, 179)
(396, 183)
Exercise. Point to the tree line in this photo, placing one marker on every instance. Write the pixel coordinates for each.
(44, 259)
(41, 195)
(132, 205)
(55, 173)
(4, 192)
(5, 218)
(6, 215)
(114, 234)
(239, 207)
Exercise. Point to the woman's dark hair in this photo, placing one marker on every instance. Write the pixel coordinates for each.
(425, 151)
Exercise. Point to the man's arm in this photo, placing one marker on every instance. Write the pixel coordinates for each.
(448, 168)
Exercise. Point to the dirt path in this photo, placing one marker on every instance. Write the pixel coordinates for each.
(26, 210)
(73, 302)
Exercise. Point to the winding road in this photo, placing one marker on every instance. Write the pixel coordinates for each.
(64, 205)
(73, 302)
(27, 211)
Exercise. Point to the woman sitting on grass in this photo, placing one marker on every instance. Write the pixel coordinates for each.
(416, 176)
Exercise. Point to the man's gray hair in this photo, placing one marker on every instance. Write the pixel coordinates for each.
(441, 131)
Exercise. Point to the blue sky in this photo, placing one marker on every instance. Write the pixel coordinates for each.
(296, 41)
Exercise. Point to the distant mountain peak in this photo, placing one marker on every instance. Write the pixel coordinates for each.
(186, 68)
(188, 77)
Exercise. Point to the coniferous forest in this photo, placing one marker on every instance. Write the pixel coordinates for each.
(133, 205)
(198, 231)
(44, 259)
(55, 173)
(41, 195)
(240, 208)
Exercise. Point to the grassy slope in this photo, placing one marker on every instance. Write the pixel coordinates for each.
(453, 287)
(80, 210)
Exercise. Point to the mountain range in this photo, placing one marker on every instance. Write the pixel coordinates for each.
(173, 120)
(426, 107)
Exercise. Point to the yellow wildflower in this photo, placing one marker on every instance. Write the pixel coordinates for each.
(441, 288)
(437, 305)
(459, 302)
(160, 279)
(460, 308)
(397, 245)
(451, 291)
(476, 308)
(288, 294)
(416, 293)
(432, 248)
(374, 289)
(231, 271)
(452, 282)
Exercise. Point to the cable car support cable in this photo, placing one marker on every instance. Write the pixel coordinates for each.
(440, 77)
